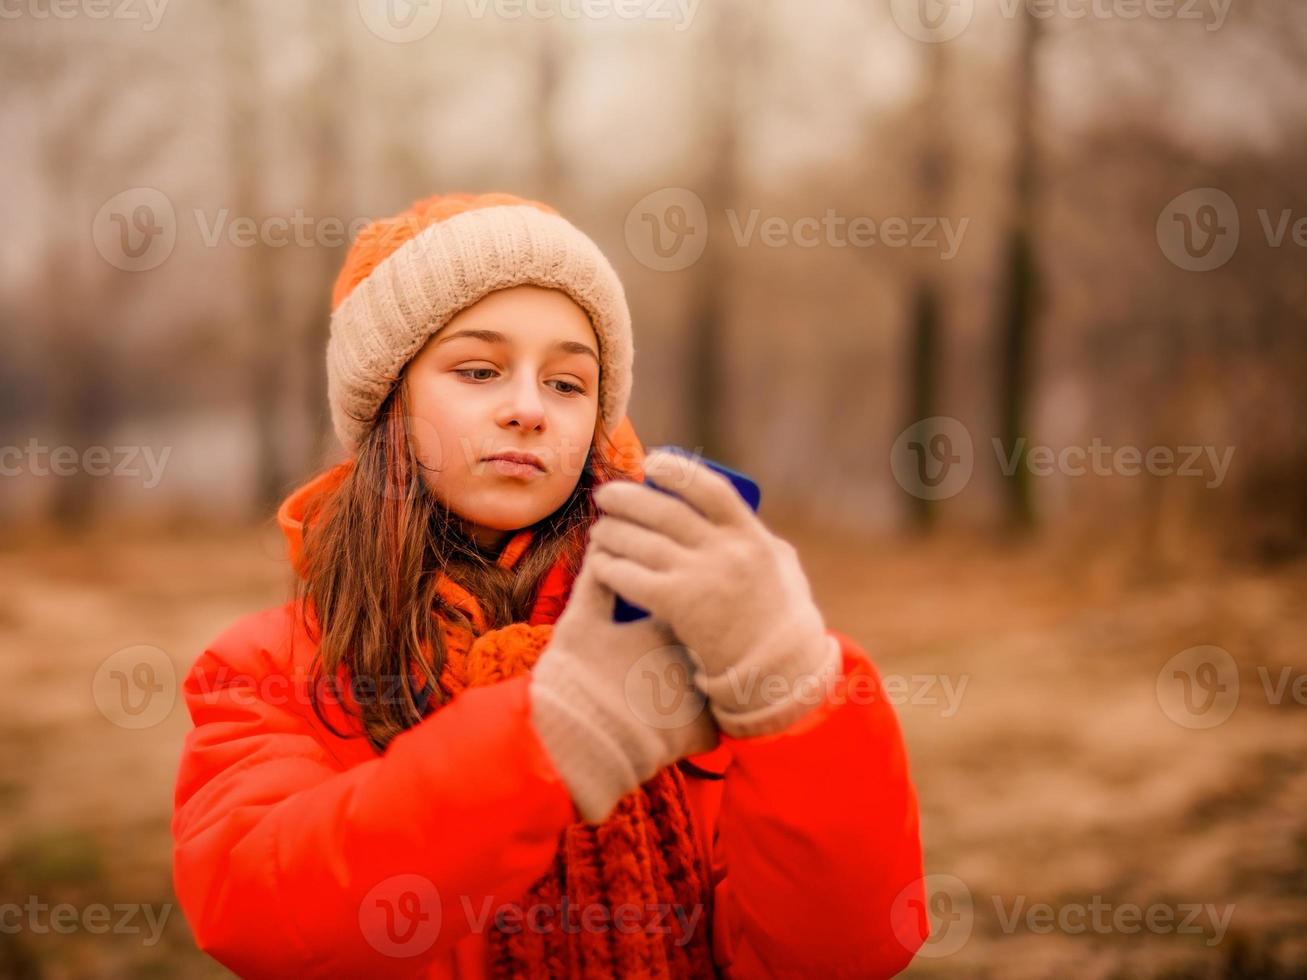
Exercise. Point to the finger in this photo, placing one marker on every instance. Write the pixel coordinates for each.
(653, 509)
(627, 539)
(632, 581)
(699, 485)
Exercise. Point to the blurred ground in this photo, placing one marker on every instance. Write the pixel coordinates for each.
(1048, 772)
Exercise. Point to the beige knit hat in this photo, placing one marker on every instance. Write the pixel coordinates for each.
(405, 278)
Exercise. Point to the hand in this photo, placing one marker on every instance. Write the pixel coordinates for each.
(731, 590)
(614, 703)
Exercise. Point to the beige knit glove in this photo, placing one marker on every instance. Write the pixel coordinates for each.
(731, 590)
(613, 703)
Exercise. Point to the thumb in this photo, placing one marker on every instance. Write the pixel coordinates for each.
(590, 597)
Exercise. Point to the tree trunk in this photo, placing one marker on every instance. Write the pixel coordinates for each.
(1020, 286)
(259, 319)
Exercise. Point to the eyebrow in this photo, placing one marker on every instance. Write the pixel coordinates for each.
(495, 337)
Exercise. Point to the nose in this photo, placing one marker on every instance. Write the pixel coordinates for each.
(523, 406)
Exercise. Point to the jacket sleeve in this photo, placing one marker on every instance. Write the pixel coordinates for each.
(288, 862)
(817, 861)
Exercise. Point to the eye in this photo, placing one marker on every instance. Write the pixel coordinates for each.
(465, 372)
(573, 389)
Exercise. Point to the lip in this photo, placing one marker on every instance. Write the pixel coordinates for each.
(518, 457)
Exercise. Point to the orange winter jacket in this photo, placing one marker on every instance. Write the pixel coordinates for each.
(283, 831)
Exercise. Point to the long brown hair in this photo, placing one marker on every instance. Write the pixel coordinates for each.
(373, 552)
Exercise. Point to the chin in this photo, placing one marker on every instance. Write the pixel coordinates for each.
(509, 508)
(507, 518)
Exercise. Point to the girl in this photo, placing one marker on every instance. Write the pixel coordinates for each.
(444, 758)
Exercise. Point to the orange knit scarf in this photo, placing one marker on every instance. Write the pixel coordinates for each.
(625, 898)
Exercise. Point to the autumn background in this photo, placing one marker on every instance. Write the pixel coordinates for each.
(1001, 303)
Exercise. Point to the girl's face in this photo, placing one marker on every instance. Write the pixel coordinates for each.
(516, 372)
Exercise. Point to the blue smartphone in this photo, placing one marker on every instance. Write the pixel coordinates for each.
(625, 612)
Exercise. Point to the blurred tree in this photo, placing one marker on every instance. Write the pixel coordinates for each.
(734, 44)
(81, 295)
(259, 302)
(1020, 278)
(934, 174)
(548, 74)
(326, 96)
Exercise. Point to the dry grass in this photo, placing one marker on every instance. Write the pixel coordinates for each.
(1047, 771)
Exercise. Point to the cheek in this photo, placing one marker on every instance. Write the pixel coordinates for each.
(437, 431)
(572, 449)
